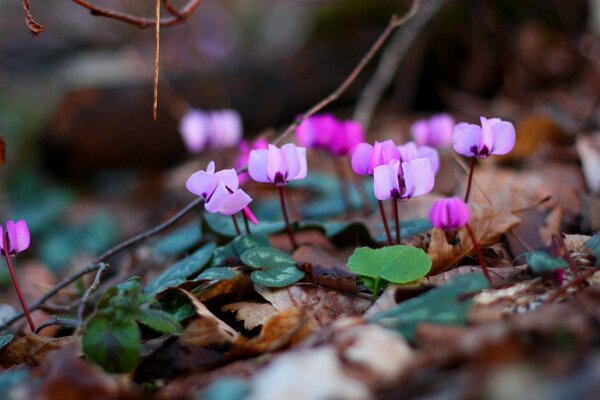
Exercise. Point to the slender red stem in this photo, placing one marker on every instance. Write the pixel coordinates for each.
(339, 165)
(396, 220)
(479, 254)
(13, 276)
(385, 224)
(572, 283)
(235, 224)
(285, 217)
(470, 180)
(246, 224)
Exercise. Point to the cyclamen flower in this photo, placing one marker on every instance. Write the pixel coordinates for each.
(325, 132)
(410, 151)
(494, 136)
(449, 214)
(243, 158)
(350, 135)
(404, 180)
(367, 157)
(194, 127)
(18, 237)
(277, 165)
(435, 131)
(220, 190)
(217, 129)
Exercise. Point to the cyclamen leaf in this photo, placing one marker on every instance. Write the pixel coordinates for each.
(159, 321)
(541, 262)
(266, 257)
(114, 344)
(242, 243)
(180, 240)
(216, 274)
(594, 245)
(277, 277)
(397, 264)
(5, 339)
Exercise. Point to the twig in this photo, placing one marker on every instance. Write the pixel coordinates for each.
(33, 26)
(95, 265)
(178, 18)
(172, 9)
(394, 24)
(57, 321)
(391, 58)
(88, 293)
(156, 60)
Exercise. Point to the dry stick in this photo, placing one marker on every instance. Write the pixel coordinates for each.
(88, 293)
(394, 24)
(156, 60)
(57, 321)
(385, 224)
(186, 11)
(172, 9)
(33, 26)
(95, 264)
(391, 58)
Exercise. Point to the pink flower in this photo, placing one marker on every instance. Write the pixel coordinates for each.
(435, 131)
(410, 151)
(366, 157)
(220, 190)
(350, 135)
(18, 237)
(449, 214)
(316, 132)
(277, 165)
(242, 160)
(194, 127)
(403, 181)
(225, 129)
(494, 136)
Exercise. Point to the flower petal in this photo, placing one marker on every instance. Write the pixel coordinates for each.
(194, 128)
(504, 136)
(432, 155)
(408, 151)
(385, 180)
(421, 176)
(248, 213)
(236, 202)
(361, 157)
(23, 238)
(276, 163)
(257, 165)
(202, 183)
(420, 132)
(11, 228)
(229, 177)
(440, 130)
(225, 128)
(218, 199)
(2, 239)
(295, 158)
(466, 138)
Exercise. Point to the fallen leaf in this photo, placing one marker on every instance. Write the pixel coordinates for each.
(488, 225)
(498, 275)
(323, 269)
(252, 313)
(225, 288)
(588, 149)
(324, 304)
(32, 349)
(534, 131)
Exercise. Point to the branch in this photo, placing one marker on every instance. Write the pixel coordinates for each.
(179, 16)
(33, 26)
(88, 293)
(391, 58)
(394, 24)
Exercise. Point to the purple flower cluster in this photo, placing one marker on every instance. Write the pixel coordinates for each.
(215, 129)
(325, 132)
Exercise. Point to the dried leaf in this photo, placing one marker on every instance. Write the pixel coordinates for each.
(325, 304)
(498, 275)
(588, 149)
(488, 224)
(225, 288)
(252, 313)
(32, 349)
(323, 269)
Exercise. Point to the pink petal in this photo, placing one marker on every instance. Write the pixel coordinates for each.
(225, 128)
(276, 163)
(327, 130)
(218, 199)
(257, 165)
(23, 238)
(235, 203)
(248, 213)
(440, 130)
(432, 155)
(306, 132)
(487, 137)
(408, 151)
(504, 135)
(420, 132)
(385, 180)
(202, 183)
(295, 158)
(1, 239)
(361, 157)
(194, 129)
(421, 176)
(11, 228)
(229, 178)
(466, 138)
(383, 153)
(355, 135)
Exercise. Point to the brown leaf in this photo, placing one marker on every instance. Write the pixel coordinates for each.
(325, 304)
(225, 288)
(488, 225)
(498, 275)
(32, 349)
(252, 313)
(323, 269)
(534, 131)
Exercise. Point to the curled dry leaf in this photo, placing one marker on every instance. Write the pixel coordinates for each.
(325, 304)
(225, 288)
(32, 349)
(488, 224)
(252, 313)
(321, 268)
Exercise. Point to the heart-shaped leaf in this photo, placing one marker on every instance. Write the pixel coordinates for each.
(274, 268)
(397, 264)
(277, 277)
(216, 274)
(158, 320)
(242, 243)
(541, 262)
(180, 240)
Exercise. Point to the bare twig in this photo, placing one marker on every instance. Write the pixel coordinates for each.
(391, 58)
(172, 9)
(178, 17)
(88, 293)
(156, 59)
(394, 24)
(57, 321)
(33, 26)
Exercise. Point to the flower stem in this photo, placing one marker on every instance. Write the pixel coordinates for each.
(470, 180)
(235, 224)
(364, 200)
(285, 217)
(13, 276)
(396, 220)
(479, 254)
(385, 224)
(341, 175)
(246, 224)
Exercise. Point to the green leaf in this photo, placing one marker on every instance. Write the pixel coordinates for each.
(216, 274)
(114, 344)
(266, 257)
(397, 264)
(179, 272)
(442, 305)
(594, 245)
(227, 389)
(122, 300)
(159, 321)
(277, 277)
(541, 262)
(222, 225)
(242, 243)
(176, 304)
(180, 240)
(5, 339)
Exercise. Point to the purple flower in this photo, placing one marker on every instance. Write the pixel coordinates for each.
(316, 132)
(435, 131)
(194, 127)
(225, 129)
(403, 180)
(18, 237)
(350, 135)
(220, 190)
(449, 214)
(494, 136)
(242, 160)
(366, 157)
(410, 151)
(278, 165)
